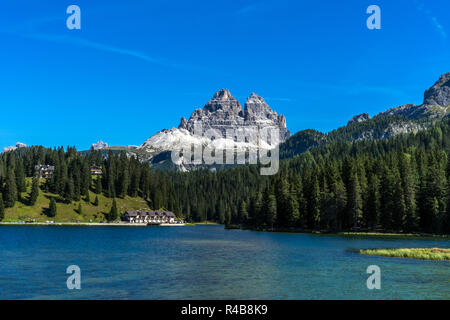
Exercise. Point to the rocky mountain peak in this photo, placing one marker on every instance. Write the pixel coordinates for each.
(256, 108)
(99, 145)
(359, 118)
(224, 112)
(183, 123)
(256, 104)
(439, 93)
(222, 100)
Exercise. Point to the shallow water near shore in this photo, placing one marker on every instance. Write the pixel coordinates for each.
(208, 262)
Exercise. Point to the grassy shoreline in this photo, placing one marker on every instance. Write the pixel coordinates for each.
(211, 223)
(392, 235)
(411, 253)
(361, 234)
(69, 224)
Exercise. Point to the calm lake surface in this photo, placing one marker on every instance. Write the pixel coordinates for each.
(208, 262)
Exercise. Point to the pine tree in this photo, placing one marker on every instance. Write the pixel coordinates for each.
(20, 177)
(243, 214)
(220, 212)
(80, 209)
(292, 214)
(69, 193)
(113, 214)
(228, 217)
(269, 208)
(10, 192)
(98, 185)
(282, 201)
(96, 201)
(399, 212)
(372, 208)
(52, 211)
(354, 201)
(124, 181)
(34, 190)
(387, 200)
(446, 221)
(409, 193)
(313, 218)
(258, 215)
(2, 208)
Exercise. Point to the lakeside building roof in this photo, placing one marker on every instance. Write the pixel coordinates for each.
(141, 213)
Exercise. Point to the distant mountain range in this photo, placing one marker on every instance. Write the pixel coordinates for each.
(408, 118)
(224, 112)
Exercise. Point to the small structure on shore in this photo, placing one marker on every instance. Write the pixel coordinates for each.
(44, 171)
(149, 217)
(96, 171)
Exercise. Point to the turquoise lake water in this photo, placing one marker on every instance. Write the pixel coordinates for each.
(208, 262)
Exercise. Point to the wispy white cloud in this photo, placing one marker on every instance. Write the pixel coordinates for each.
(439, 27)
(433, 20)
(94, 45)
(249, 8)
(30, 31)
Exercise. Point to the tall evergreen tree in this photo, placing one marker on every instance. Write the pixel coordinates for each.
(228, 217)
(52, 211)
(372, 208)
(2, 208)
(313, 217)
(243, 214)
(20, 177)
(269, 208)
(98, 185)
(69, 192)
(10, 191)
(34, 190)
(113, 213)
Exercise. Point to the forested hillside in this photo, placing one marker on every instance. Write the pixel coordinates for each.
(399, 184)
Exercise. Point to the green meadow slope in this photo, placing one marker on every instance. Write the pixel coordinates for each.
(68, 212)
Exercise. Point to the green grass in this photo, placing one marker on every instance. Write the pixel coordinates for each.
(424, 254)
(69, 212)
(205, 222)
(390, 235)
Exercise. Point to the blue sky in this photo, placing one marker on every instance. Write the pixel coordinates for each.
(136, 67)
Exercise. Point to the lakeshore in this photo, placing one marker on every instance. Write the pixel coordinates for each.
(363, 235)
(88, 224)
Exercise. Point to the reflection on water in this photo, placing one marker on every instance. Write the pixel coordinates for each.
(208, 262)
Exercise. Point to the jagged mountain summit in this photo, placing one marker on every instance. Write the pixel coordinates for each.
(12, 148)
(359, 118)
(435, 104)
(406, 118)
(99, 145)
(223, 112)
(439, 93)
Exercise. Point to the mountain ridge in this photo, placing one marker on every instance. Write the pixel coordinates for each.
(223, 112)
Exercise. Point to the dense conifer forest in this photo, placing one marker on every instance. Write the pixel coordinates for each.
(400, 184)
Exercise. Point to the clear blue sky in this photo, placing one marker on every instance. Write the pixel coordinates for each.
(136, 67)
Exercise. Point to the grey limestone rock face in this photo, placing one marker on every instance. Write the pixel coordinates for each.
(224, 112)
(359, 118)
(439, 93)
